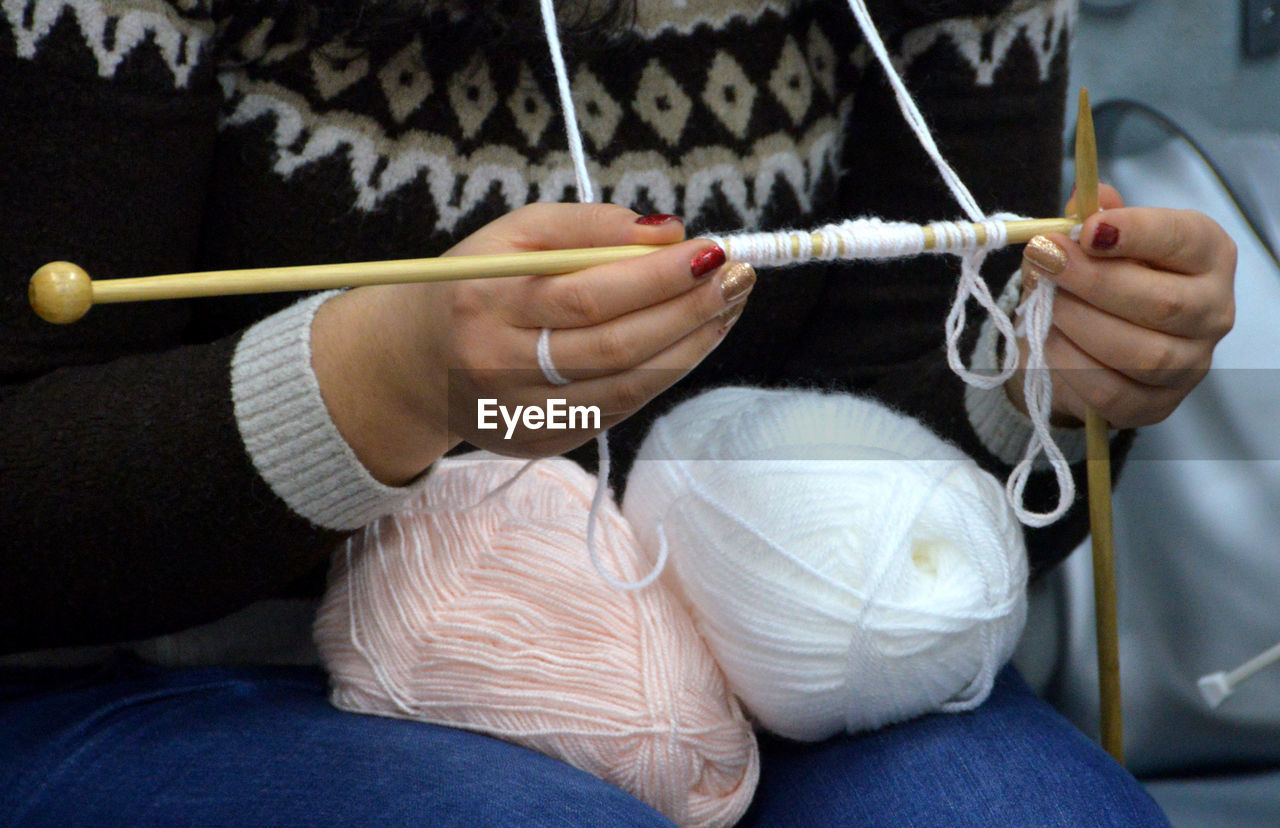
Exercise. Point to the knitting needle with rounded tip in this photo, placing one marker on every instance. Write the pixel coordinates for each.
(62, 292)
(1098, 465)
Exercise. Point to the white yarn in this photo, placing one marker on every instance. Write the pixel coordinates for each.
(971, 284)
(911, 112)
(861, 238)
(585, 191)
(871, 239)
(593, 517)
(1037, 317)
(586, 194)
(847, 567)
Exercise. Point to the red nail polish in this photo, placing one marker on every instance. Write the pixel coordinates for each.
(706, 261)
(1105, 236)
(659, 218)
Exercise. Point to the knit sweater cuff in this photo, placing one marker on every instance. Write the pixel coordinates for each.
(288, 433)
(1002, 428)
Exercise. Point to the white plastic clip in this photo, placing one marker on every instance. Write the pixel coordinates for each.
(1217, 686)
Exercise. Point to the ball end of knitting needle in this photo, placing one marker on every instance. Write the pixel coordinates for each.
(1214, 687)
(60, 292)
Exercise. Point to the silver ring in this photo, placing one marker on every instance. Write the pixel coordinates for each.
(544, 359)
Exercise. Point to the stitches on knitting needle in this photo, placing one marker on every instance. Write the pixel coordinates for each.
(873, 238)
(884, 240)
(972, 286)
(865, 238)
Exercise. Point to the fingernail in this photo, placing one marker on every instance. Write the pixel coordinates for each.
(1046, 255)
(1105, 236)
(706, 261)
(659, 218)
(735, 281)
(1030, 280)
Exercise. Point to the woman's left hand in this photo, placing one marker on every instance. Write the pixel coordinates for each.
(1143, 299)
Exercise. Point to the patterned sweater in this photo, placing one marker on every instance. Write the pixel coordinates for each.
(165, 464)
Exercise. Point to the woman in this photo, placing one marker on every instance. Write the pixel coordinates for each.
(168, 465)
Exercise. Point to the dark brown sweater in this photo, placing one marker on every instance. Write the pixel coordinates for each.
(141, 137)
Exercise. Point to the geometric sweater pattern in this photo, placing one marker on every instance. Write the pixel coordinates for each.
(148, 136)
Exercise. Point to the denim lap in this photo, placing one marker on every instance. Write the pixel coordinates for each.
(1012, 762)
(263, 746)
(143, 745)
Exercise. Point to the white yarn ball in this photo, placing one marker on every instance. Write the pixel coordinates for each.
(846, 566)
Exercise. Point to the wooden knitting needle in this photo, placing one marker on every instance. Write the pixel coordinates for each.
(1098, 454)
(62, 292)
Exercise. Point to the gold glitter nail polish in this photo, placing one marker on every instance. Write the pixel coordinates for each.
(735, 280)
(1046, 255)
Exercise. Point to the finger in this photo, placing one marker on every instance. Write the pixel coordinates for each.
(1179, 241)
(550, 226)
(630, 340)
(588, 406)
(1081, 383)
(1195, 307)
(600, 294)
(1108, 199)
(1145, 356)
(620, 395)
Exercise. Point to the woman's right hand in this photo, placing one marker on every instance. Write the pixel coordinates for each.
(403, 368)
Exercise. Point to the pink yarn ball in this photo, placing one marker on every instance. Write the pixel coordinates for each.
(492, 619)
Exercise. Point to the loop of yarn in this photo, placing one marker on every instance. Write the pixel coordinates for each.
(972, 286)
(846, 567)
(871, 238)
(970, 280)
(488, 619)
(1037, 316)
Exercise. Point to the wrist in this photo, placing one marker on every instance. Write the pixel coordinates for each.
(386, 400)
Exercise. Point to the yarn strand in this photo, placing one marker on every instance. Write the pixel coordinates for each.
(1038, 316)
(585, 194)
(585, 191)
(1040, 387)
(871, 238)
(911, 113)
(593, 518)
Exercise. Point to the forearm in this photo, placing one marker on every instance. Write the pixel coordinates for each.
(130, 507)
(166, 489)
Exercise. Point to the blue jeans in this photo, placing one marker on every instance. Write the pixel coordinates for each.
(140, 745)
